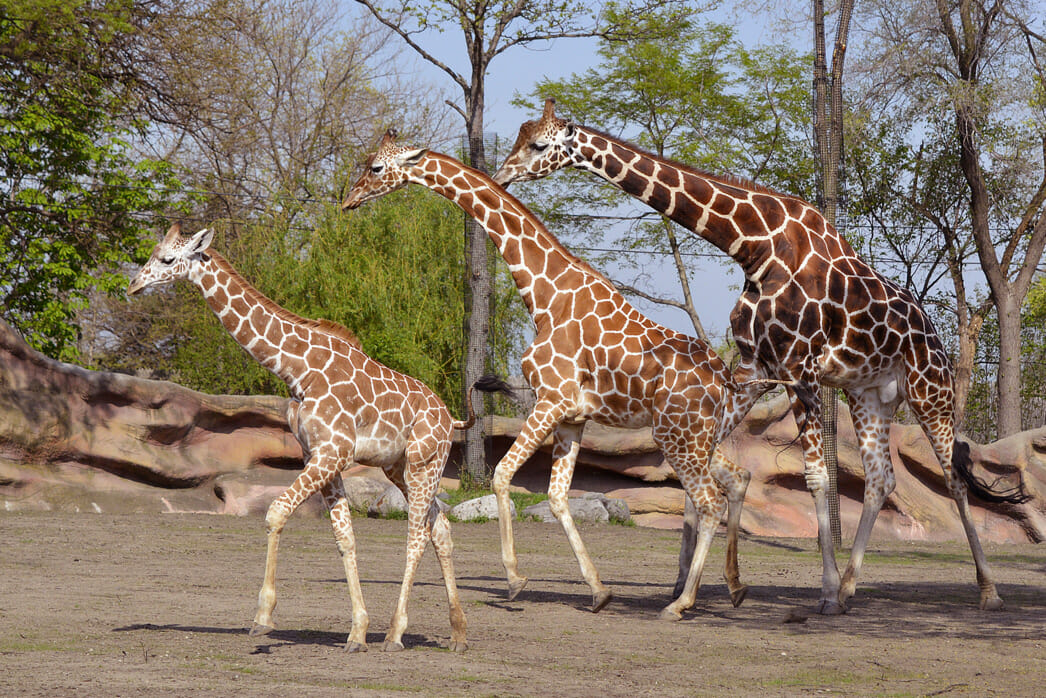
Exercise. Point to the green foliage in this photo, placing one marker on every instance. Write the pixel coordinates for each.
(72, 190)
(981, 417)
(391, 272)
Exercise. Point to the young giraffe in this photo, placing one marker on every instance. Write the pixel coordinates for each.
(347, 408)
(594, 357)
(811, 312)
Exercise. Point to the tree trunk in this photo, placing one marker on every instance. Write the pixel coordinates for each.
(964, 363)
(477, 307)
(828, 136)
(1009, 377)
(684, 281)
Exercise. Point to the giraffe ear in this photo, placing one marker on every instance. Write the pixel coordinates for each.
(570, 131)
(201, 241)
(550, 109)
(411, 157)
(173, 233)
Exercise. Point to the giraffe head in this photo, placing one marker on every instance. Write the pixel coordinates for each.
(387, 169)
(542, 147)
(171, 259)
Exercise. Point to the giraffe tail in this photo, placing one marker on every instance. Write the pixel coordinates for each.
(962, 463)
(489, 383)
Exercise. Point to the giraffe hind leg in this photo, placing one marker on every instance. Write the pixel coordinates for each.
(733, 480)
(565, 449)
(710, 504)
(444, 547)
(341, 523)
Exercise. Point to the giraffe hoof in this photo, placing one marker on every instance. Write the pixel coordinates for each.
(258, 629)
(737, 596)
(515, 587)
(458, 646)
(830, 608)
(992, 604)
(670, 614)
(600, 600)
(353, 646)
(391, 646)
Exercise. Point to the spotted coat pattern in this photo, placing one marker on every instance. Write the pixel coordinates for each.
(594, 357)
(346, 409)
(811, 312)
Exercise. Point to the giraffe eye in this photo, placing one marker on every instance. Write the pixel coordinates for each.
(539, 146)
(167, 260)
(376, 169)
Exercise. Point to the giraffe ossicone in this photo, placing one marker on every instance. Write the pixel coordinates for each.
(345, 408)
(811, 312)
(594, 358)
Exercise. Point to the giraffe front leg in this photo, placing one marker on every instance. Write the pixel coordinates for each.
(341, 523)
(872, 425)
(817, 483)
(308, 481)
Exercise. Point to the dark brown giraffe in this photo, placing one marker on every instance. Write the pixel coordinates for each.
(594, 357)
(811, 312)
(347, 408)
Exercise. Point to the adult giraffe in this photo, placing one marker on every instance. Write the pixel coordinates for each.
(594, 357)
(346, 408)
(811, 312)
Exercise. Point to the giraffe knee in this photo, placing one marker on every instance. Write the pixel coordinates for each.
(276, 517)
(559, 506)
(500, 482)
(816, 482)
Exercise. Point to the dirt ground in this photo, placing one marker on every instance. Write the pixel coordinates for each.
(160, 605)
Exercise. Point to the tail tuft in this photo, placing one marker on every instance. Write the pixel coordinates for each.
(491, 383)
(962, 463)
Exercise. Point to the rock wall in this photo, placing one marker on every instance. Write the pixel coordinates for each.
(79, 440)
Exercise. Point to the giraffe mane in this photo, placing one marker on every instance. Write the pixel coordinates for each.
(527, 213)
(322, 325)
(730, 180)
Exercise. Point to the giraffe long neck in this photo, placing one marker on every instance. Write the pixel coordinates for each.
(735, 216)
(260, 326)
(540, 265)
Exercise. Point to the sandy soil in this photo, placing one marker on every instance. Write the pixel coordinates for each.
(136, 605)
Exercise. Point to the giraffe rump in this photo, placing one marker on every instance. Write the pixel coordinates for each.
(962, 463)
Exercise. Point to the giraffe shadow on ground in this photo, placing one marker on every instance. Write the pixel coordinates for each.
(283, 638)
(538, 591)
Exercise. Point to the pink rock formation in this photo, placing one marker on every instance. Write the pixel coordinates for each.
(79, 440)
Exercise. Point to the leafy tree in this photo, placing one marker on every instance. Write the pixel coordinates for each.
(383, 271)
(72, 191)
(965, 80)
